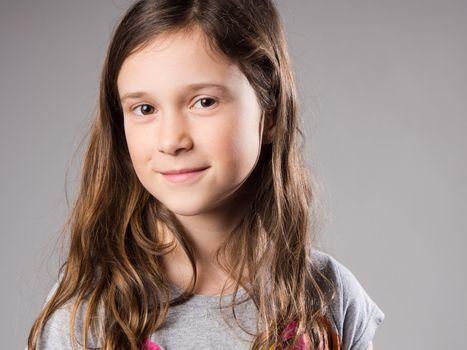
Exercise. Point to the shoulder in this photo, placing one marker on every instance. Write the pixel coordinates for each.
(56, 331)
(355, 315)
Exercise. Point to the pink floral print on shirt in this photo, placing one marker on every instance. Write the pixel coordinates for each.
(304, 342)
(150, 345)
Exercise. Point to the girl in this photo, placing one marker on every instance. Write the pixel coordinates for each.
(191, 227)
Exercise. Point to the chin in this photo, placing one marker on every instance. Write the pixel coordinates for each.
(184, 211)
(185, 208)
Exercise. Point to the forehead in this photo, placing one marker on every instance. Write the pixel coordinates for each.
(179, 58)
(183, 38)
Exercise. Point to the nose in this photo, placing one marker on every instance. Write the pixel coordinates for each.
(173, 133)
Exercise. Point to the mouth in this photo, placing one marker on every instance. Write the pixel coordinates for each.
(182, 171)
(183, 175)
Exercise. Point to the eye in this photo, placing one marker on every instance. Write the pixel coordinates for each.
(144, 109)
(206, 102)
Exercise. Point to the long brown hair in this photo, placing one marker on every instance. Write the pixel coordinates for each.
(114, 259)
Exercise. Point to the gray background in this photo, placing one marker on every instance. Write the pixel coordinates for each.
(383, 87)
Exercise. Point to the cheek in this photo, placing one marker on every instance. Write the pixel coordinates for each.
(138, 146)
(235, 143)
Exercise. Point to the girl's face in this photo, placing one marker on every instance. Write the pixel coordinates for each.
(186, 107)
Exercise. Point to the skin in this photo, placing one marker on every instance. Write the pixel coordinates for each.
(171, 126)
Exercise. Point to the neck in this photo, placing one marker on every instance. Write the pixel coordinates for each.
(205, 234)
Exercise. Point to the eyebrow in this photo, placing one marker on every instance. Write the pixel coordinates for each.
(190, 87)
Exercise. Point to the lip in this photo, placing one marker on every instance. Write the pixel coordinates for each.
(183, 175)
(182, 171)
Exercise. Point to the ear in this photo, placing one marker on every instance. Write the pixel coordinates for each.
(269, 128)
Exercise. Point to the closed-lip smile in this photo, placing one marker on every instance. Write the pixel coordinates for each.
(182, 171)
(184, 176)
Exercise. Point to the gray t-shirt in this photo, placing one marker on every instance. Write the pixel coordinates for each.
(200, 323)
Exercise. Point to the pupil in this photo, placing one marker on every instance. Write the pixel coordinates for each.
(203, 102)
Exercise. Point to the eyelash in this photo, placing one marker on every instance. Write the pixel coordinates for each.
(202, 98)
